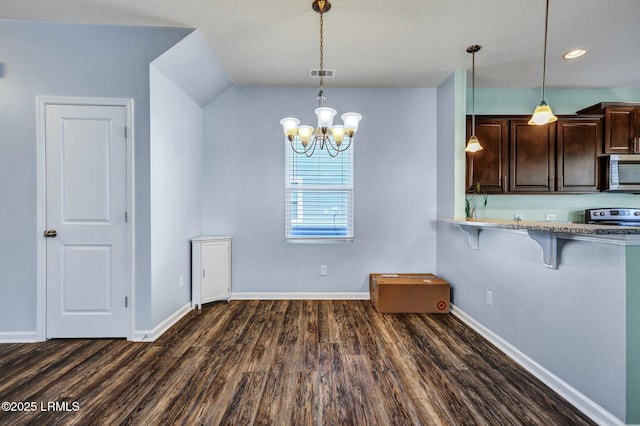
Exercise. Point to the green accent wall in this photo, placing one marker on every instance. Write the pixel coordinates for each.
(632, 262)
(565, 208)
(562, 101)
(460, 91)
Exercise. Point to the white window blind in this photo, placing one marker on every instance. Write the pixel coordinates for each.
(319, 195)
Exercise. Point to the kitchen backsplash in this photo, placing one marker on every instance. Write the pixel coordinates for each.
(550, 207)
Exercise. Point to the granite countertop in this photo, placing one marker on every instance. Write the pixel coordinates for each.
(557, 227)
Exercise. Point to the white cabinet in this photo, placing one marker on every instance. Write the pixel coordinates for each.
(210, 270)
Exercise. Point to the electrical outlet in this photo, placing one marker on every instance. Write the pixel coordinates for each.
(181, 281)
(550, 216)
(489, 298)
(323, 270)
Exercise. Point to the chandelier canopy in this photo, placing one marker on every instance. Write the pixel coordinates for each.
(334, 138)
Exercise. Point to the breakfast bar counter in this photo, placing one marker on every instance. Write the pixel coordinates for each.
(547, 233)
(558, 227)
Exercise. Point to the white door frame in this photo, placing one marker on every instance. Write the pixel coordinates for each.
(41, 103)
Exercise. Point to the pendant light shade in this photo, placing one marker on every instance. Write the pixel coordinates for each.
(543, 114)
(473, 145)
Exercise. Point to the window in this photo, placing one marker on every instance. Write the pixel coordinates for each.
(319, 196)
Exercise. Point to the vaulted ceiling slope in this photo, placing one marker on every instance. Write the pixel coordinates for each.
(399, 43)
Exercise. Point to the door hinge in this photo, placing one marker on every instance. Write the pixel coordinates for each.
(126, 216)
(203, 273)
(126, 132)
(126, 301)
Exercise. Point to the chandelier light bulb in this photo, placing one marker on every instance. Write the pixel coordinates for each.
(290, 127)
(305, 133)
(351, 120)
(325, 117)
(338, 133)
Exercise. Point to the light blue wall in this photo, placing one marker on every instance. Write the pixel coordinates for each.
(183, 80)
(563, 101)
(451, 143)
(176, 177)
(570, 320)
(64, 60)
(395, 187)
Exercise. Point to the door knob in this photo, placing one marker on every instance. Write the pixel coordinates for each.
(51, 233)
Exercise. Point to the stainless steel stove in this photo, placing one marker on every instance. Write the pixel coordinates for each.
(613, 216)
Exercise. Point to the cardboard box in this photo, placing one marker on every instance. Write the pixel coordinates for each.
(409, 293)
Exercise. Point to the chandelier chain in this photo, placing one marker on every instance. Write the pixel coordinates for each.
(321, 51)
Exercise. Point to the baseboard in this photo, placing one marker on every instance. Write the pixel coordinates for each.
(152, 335)
(588, 407)
(18, 337)
(300, 296)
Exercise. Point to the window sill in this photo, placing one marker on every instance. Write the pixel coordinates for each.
(339, 240)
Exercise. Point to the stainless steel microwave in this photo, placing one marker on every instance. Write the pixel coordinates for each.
(621, 173)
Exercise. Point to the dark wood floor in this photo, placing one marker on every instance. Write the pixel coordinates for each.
(282, 363)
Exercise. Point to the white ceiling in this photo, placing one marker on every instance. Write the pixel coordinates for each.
(396, 43)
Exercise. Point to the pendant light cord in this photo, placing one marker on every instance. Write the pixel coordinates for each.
(473, 93)
(544, 59)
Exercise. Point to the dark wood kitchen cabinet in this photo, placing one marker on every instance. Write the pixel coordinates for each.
(578, 143)
(519, 158)
(621, 126)
(489, 166)
(532, 157)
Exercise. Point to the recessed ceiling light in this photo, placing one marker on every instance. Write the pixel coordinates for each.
(574, 54)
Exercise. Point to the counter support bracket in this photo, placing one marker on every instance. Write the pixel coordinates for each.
(549, 243)
(473, 232)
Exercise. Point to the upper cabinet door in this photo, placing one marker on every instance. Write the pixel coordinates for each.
(579, 141)
(620, 130)
(532, 157)
(489, 166)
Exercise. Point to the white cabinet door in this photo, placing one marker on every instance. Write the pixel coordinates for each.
(211, 275)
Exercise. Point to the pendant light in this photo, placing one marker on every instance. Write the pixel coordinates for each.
(473, 145)
(543, 114)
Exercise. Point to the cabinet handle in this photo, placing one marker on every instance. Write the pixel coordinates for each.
(504, 185)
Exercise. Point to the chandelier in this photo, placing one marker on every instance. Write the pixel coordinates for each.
(334, 138)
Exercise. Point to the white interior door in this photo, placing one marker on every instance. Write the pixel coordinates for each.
(86, 202)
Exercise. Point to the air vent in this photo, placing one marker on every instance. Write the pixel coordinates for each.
(315, 73)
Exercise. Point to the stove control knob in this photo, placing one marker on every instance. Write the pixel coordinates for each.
(636, 213)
